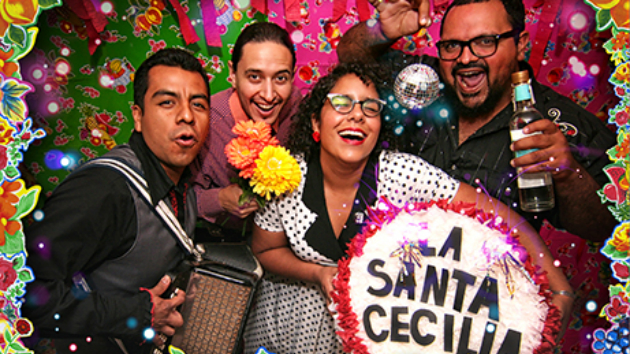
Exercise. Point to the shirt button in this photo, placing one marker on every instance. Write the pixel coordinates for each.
(452, 127)
(453, 167)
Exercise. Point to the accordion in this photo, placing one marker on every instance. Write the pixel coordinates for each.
(219, 293)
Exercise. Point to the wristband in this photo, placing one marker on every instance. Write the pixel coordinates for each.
(565, 293)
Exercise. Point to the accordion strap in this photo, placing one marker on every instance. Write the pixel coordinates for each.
(161, 209)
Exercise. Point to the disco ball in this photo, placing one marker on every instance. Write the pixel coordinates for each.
(417, 86)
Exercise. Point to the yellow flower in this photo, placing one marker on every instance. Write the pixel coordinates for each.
(6, 131)
(276, 172)
(621, 240)
(622, 73)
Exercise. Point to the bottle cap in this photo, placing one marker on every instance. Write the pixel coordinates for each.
(520, 77)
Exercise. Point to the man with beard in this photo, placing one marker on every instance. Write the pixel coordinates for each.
(472, 141)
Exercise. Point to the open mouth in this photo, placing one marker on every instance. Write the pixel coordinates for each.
(353, 136)
(471, 80)
(266, 107)
(185, 139)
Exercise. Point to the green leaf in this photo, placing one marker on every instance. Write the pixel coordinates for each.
(6, 334)
(604, 20)
(175, 350)
(608, 249)
(25, 275)
(18, 262)
(619, 255)
(13, 243)
(26, 203)
(17, 346)
(17, 35)
(46, 4)
(261, 202)
(11, 172)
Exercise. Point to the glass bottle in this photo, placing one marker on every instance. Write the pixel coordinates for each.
(535, 189)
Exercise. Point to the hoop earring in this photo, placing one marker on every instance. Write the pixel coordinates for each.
(316, 137)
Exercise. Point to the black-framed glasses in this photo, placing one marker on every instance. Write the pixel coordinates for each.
(343, 104)
(481, 47)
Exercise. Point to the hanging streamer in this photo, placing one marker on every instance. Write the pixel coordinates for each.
(210, 28)
(260, 5)
(95, 21)
(188, 31)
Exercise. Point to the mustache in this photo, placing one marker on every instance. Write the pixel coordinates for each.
(460, 66)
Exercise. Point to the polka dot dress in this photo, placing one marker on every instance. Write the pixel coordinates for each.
(290, 316)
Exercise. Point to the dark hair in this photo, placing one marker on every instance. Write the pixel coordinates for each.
(172, 57)
(514, 8)
(301, 141)
(259, 32)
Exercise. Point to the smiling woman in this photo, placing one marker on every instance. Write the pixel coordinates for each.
(298, 236)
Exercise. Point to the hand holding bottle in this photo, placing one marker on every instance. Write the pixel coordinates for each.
(552, 150)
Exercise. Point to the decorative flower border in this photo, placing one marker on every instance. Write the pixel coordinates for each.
(613, 15)
(384, 213)
(18, 34)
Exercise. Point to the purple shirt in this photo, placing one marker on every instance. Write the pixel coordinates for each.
(211, 170)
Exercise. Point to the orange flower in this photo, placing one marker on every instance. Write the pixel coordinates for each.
(621, 40)
(7, 189)
(623, 148)
(17, 12)
(242, 152)
(619, 10)
(247, 172)
(7, 211)
(253, 130)
(7, 67)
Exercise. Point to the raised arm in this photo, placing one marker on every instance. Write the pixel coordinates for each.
(532, 242)
(273, 252)
(366, 41)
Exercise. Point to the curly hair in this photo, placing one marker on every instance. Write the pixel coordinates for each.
(300, 139)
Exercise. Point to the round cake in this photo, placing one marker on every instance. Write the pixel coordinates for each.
(440, 278)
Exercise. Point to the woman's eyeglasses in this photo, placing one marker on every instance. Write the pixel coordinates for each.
(343, 104)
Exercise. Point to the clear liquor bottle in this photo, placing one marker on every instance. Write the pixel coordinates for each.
(535, 189)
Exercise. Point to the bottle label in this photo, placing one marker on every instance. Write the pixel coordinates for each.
(522, 93)
(531, 180)
(518, 135)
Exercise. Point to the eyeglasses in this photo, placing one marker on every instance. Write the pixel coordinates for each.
(481, 47)
(343, 104)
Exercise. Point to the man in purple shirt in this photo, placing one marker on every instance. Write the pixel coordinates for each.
(262, 71)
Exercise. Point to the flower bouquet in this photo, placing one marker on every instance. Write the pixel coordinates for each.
(266, 168)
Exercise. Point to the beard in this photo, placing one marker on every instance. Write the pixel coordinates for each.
(495, 94)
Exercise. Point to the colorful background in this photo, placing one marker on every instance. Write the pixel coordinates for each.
(67, 70)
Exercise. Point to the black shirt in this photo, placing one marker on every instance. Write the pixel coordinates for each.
(483, 160)
(89, 219)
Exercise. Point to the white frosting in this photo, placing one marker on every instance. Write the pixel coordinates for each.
(524, 312)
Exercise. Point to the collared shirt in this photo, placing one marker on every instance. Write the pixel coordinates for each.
(89, 219)
(211, 169)
(483, 160)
